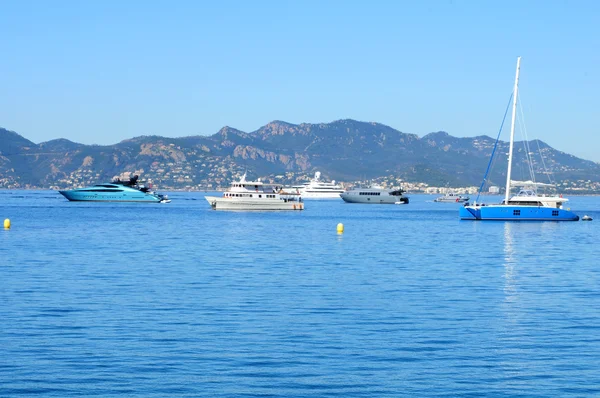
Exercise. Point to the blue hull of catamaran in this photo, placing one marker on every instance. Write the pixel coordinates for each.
(515, 213)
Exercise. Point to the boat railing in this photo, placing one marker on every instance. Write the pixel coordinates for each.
(290, 196)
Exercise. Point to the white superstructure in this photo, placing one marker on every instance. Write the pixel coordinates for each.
(255, 195)
(317, 189)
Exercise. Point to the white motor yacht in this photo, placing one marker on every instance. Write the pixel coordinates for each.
(375, 195)
(452, 198)
(255, 195)
(317, 189)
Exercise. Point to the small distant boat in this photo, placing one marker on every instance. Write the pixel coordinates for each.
(255, 195)
(317, 189)
(374, 195)
(116, 191)
(527, 204)
(452, 197)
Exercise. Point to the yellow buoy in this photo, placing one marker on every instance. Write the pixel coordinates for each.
(340, 228)
(7, 223)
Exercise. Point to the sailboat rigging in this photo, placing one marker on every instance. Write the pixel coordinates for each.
(526, 205)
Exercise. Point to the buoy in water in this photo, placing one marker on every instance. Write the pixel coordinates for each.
(7, 223)
(586, 218)
(340, 228)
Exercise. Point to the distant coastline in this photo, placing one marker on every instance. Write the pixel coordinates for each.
(284, 153)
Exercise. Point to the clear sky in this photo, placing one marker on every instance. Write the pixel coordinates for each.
(101, 71)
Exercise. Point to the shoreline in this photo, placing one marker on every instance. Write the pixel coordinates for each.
(225, 189)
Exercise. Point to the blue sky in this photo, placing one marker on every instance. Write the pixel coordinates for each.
(98, 72)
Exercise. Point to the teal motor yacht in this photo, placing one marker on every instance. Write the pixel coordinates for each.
(116, 191)
(527, 204)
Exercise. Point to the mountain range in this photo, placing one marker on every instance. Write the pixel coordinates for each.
(345, 150)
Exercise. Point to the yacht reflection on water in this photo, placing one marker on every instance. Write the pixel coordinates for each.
(510, 291)
(528, 253)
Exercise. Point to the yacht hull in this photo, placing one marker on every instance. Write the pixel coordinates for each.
(355, 197)
(451, 200)
(89, 196)
(251, 204)
(515, 213)
(321, 195)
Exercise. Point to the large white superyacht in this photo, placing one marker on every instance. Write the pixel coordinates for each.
(317, 189)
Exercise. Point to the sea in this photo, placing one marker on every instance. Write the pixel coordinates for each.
(155, 300)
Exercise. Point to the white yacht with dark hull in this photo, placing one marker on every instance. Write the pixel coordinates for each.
(375, 195)
(255, 195)
(317, 189)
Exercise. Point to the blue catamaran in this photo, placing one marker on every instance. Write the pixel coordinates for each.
(527, 204)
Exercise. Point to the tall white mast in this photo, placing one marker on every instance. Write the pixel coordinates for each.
(512, 131)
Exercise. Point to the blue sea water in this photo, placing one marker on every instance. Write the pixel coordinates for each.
(154, 300)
